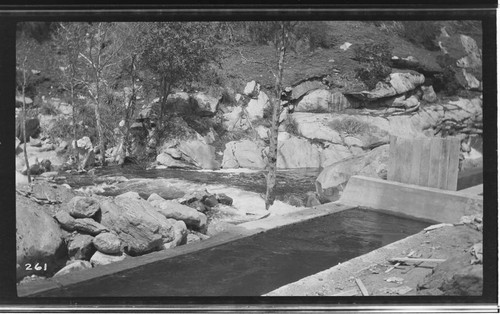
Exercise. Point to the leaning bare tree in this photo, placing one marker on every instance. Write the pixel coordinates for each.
(24, 48)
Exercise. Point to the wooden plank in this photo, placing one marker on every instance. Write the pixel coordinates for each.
(405, 160)
(415, 161)
(392, 158)
(362, 287)
(454, 152)
(436, 148)
(412, 259)
(443, 164)
(425, 156)
(347, 293)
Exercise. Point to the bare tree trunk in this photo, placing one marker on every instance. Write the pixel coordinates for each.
(129, 112)
(273, 145)
(98, 119)
(24, 128)
(75, 138)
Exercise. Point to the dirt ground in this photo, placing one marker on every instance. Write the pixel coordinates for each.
(372, 270)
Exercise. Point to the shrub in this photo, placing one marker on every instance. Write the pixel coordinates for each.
(316, 34)
(373, 74)
(378, 56)
(48, 109)
(349, 125)
(373, 52)
(422, 33)
(291, 125)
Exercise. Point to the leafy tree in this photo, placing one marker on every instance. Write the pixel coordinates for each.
(101, 55)
(176, 53)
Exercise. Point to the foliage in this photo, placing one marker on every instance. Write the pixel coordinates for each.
(291, 125)
(176, 53)
(422, 33)
(316, 34)
(48, 108)
(378, 56)
(447, 81)
(373, 74)
(349, 125)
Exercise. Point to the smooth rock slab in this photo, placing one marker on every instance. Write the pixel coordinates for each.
(104, 259)
(107, 243)
(75, 266)
(83, 207)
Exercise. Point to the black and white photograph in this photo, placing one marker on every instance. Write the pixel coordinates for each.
(326, 158)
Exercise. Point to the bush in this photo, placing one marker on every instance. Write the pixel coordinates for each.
(446, 82)
(378, 56)
(373, 74)
(349, 125)
(422, 33)
(291, 125)
(48, 109)
(316, 34)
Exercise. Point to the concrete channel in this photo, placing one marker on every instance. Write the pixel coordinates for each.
(401, 199)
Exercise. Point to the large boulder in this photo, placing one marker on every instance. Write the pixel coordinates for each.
(332, 153)
(243, 154)
(104, 259)
(165, 159)
(315, 127)
(107, 243)
(399, 83)
(137, 223)
(81, 247)
(295, 152)
(180, 234)
(170, 209)
(32, 129)
(255, 107)
(38, 239)
(146, 187)
(83, 225)
(333, 179)
(199, 154)
(303, 88)
(206, 103)
(83, 207)
(252, 89)
(315, 101)
(74, 267)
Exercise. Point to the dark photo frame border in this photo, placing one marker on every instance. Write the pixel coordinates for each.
(427, 10)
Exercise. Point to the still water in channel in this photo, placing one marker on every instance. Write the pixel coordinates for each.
(257, 264)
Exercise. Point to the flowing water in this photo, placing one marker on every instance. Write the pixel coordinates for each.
(257, 264)
(297, 181)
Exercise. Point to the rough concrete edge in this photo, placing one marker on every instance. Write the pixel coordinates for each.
(245, 230)
(373, 256)
(348, 199)
(31, 289)
(274, 222)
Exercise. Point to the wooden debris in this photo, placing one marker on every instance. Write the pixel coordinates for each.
(395, 280)
(396, 290)
(433, 227)
(362, 287)
(397, 264)
(409, 259)
(347, 293)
